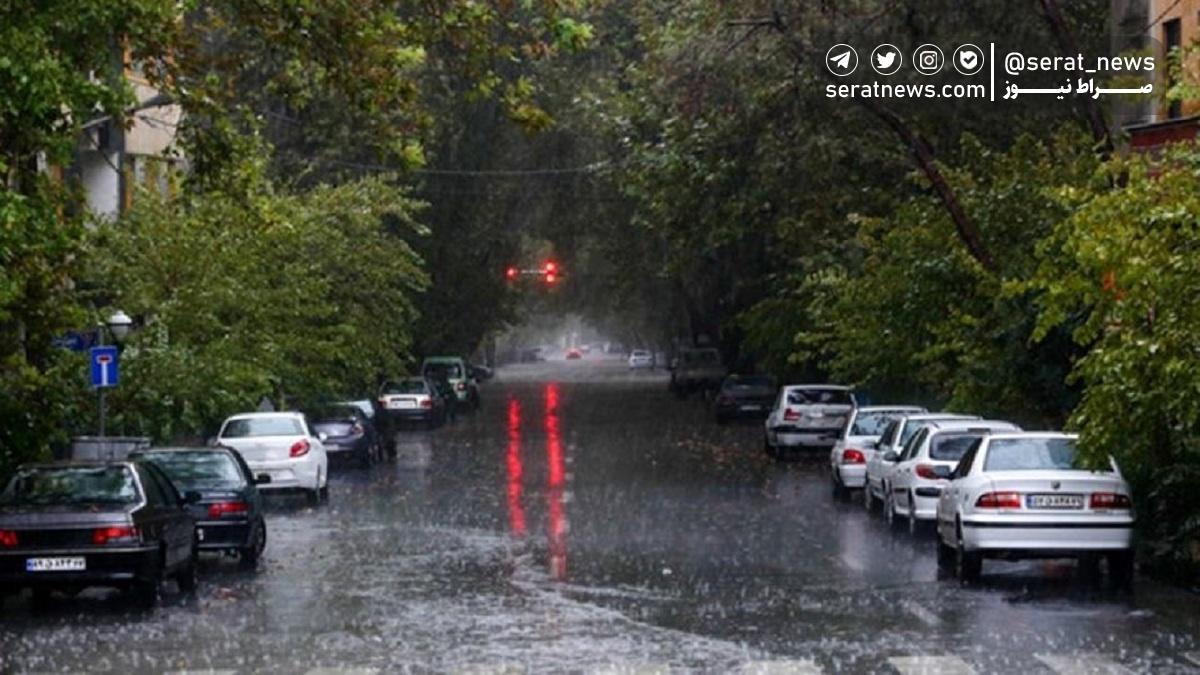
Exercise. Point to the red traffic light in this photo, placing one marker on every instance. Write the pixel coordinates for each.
(550, 270)
(510, 274)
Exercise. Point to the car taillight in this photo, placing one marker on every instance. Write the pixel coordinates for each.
(299, 448)
(222, 509)
(999, 500)
(853, 456)
(461, 386)
(790, 415)
(115, 535)
(1110, 500)
(8, 538)
(426, 402)
(927, 471)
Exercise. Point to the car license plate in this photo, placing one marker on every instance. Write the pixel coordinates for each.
(401, 404)
(56, 564)
(1054, 501)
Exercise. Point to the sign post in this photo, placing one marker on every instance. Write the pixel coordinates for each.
(106, 372)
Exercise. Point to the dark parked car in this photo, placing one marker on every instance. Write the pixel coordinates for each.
(229, 512)
(349, 433)
(744, 396)
(65, 527)
(412, 399)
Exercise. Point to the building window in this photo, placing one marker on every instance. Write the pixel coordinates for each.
(1172, 40)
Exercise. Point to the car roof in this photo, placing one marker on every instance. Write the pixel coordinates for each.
(888, 408)
(837, 387)
(183, 448)
(1033, 434)
(257, 415)
(937, 416)
(78, 463)
(444, 359)
(967, 425)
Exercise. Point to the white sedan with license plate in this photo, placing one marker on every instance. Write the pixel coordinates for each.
(807, 416)
(1020, 495)
(283, 446)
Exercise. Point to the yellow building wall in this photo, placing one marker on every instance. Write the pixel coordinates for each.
(1188, 14)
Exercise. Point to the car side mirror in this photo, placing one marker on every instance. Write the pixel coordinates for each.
(262, 479)
(192, 497)
(891, 456)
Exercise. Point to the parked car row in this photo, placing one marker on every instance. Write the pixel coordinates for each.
(128, 524)
(990, 489)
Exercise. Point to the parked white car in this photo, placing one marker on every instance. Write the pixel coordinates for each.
(898, 433)
(807, 416)
(856, 446)
(923, 469)
(1019, 496)
(640, 358)
(283, 446)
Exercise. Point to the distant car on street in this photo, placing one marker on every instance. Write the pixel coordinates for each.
(1022, 495)
(229, 511)
(574, 354)
(697, 370)
(349, 434)
(640, 359)
(807, 416)
(122, 524)
(413, 399)
(921, 471)
(455, 370)
(744, 397)
(283, 446)
(856, 445)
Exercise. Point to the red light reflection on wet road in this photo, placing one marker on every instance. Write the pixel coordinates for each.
(556, 526)
(516, 513)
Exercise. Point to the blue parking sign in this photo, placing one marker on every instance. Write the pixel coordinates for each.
(105, 370)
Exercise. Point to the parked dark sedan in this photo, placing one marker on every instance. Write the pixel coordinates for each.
(122, 524)
(349, 434)
(744, 396)
(229, 512)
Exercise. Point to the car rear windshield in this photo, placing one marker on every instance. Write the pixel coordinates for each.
(404, 387)
(640, 353)
(702, 358)
(333, 414)
(1030, 454)
(198, 470)
(819, 397)
(873, 423)
(262, 426)
(449, 371)
(951, 447)
(71, 485)
(750, 382)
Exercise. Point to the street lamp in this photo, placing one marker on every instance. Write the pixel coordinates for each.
(119, 324)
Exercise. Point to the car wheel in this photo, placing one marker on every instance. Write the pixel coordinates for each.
(250, 554)
(145, 590)
(41, 597)
(839, 490)
(1120, 569)
(889, 508)
(968, 564)
(912, 515)
(945, 555)
(186, 577)
(868, 498)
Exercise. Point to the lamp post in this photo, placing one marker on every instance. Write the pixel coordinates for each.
(119, 323)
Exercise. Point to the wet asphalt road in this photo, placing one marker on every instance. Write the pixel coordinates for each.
(584, 521)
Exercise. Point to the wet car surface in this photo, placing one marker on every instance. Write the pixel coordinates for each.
(585, 521)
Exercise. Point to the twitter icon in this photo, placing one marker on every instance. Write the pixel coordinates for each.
(886, 59)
